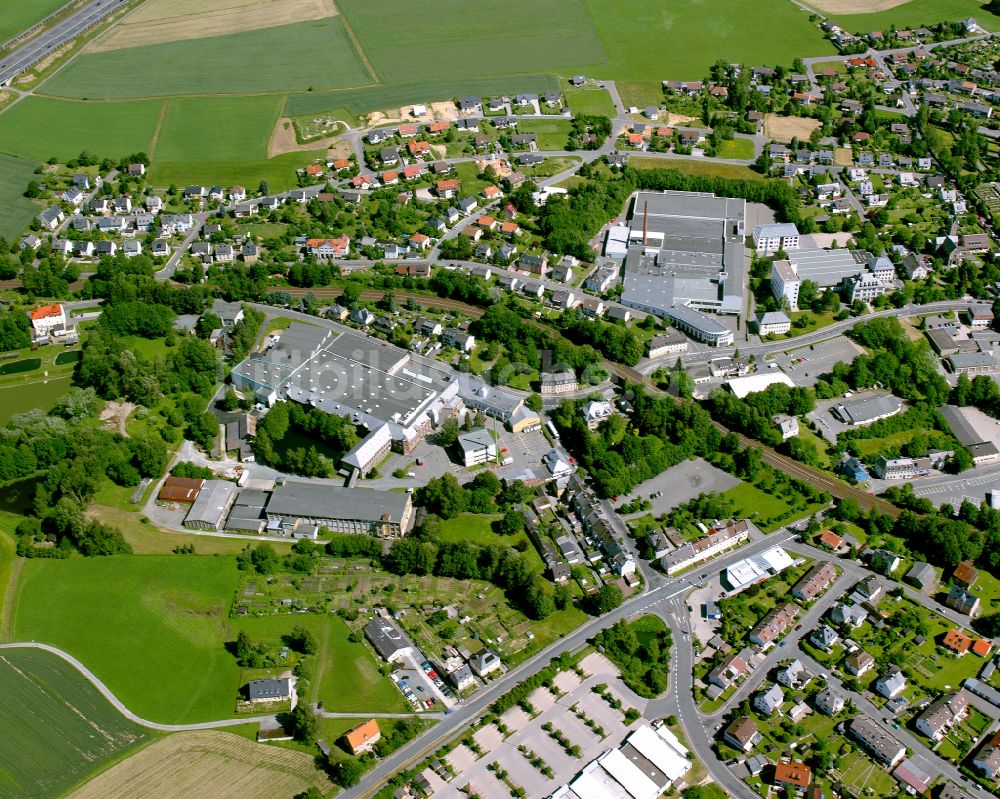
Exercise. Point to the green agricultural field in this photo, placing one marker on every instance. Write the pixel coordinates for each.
(919, 12)
(589, 101)
(299, 56)
(648, 40)
(55, 728)
(16, 210)
(19, 15)
(689, 167)
(42, 128)
(361, 101)
(165, 621)
(472, 39)
(193, 147)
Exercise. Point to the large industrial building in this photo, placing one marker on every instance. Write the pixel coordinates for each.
(359, 511)
(350, 374)
(686, 258)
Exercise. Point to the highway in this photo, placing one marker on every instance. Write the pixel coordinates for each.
(52, 38)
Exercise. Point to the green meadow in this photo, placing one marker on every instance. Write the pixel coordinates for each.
(163, 625)
(298, 56)
(16, 210)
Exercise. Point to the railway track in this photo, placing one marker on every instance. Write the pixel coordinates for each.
(817, 478)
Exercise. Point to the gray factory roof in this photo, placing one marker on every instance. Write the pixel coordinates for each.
(310, 500)
(865, 410)
(212, 503)
(695, 205)
(345, 372)
(828, 267)
(697, 319)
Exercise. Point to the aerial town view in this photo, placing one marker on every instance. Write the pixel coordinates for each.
(547, 399)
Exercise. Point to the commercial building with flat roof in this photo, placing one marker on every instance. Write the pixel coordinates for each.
(351, 374)
(686, 249)
(386, 514)
(866, 410)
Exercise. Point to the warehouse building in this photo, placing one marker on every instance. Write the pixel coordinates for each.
(359, 511)
(867, 410)
(210, 508)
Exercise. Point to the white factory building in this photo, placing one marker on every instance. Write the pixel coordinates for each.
(650, 761)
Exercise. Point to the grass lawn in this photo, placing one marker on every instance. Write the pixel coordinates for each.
(37, 128)
(807, 321)
(754, 503)
(393, 95)
(440, 42)
(736, 148)
(56, 727)
(550, 133)
(919, 12)
(691, 167)
(640, 93)
(299, 56)
(589, 101)
(19, 15)
(16, 210)
(147, 539)
(647, 40)
(477, 529)
(40, 392)
(805, 434)
(164, 623)
(7, 525)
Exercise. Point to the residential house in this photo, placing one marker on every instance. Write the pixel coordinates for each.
(942, 714)
(363, 738)
(987, 759)
(792, 774)
(773, 625)
(852, 616)
(962, 601)
(859, 664)
(815, 581)
(891, 684)
(732, 667)
(767, 702)
(829, 702)
(965, 574)
(485, 662)
(876, 741)
(824, 637)
(742, 734)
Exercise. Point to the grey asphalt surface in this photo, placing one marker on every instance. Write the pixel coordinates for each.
(35, 50)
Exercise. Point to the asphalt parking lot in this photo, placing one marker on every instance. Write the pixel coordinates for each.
(805, 365)
(681, 483)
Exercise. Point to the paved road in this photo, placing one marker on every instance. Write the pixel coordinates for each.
(34, 51)
(759, 350)
(476, 706)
